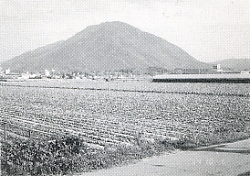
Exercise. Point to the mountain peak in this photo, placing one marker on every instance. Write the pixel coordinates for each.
(114, 23)
(108, 27)
(108, 46)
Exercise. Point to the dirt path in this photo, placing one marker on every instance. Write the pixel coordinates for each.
(222, 160)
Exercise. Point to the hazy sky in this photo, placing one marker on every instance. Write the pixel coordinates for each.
(209, 30)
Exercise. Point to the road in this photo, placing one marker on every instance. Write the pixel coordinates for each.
(220, 160)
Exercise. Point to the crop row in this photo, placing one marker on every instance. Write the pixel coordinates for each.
(113, 125)
(143, 87)
(120, 116)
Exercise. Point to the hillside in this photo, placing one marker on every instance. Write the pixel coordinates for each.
(234, 64)
(108, 46)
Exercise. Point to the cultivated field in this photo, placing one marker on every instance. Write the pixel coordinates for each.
(139, 118)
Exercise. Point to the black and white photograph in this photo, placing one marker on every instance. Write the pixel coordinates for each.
(125, 87)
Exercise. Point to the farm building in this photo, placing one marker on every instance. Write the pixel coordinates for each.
(234, 78)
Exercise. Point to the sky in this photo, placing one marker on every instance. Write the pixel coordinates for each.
(209, 30)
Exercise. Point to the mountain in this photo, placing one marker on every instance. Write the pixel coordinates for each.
(234, 64)
(107, 46)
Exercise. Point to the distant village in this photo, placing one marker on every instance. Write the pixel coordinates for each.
(52, 74)
(124, 74)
